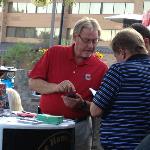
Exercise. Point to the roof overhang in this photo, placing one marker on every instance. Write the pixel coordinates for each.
(120, 18)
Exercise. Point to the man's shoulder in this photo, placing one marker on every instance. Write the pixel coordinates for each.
(60, 47)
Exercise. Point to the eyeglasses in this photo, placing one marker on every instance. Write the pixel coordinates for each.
(86, 41)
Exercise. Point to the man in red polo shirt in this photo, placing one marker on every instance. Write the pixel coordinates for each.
(71, 69)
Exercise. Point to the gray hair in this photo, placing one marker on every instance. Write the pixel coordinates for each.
(87, 23)
(129, 39)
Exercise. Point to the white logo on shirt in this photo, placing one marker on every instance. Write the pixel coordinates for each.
(88, 77)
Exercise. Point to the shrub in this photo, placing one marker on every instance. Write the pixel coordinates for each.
(20, 55)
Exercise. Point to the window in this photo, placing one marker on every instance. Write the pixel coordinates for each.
(107, 8)
(58, 8)
(47, 30)
(20, 32)
(56, 32)
(39, 32)
(22, 7)
(84, 8)
(41, 9)
(71, 32)
(49, 8)
(46, 33)
(95, 8)
(75, 8)
(113, 33)
(146, 5)
(129, 8)
(108, 35)
(10, 31)
(0, 8)
(119, 8)
(30, 32)
(12, 7)
(31, 8)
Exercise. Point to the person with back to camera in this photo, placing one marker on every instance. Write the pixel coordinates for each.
(145, 32)
(123, 99)
(64, 75)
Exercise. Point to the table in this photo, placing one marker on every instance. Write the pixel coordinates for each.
(16, 135)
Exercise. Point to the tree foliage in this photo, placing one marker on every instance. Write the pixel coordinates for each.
(2, 2)
(20, 55)
(42, 3)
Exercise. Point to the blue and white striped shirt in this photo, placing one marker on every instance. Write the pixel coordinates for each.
(124, 97)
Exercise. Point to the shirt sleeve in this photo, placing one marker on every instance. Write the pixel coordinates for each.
(109, 88)
(40, 70)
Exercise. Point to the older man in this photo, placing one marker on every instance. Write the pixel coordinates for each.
(64, 75)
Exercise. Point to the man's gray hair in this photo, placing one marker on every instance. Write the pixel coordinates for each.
(87, 23)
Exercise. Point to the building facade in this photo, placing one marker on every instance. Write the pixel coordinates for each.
(21, 21)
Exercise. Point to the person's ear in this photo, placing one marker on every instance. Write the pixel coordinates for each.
(75, 36)
(147, 42)
(123, 53)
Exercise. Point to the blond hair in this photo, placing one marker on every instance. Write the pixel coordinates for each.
(87, 23)
(14, 100)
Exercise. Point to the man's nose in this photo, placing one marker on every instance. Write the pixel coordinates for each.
(91, 44)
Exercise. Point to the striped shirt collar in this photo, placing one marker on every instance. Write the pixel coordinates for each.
(138, 56)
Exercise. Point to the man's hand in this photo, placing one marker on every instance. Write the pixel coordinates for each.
(71, 102)
(65, 86)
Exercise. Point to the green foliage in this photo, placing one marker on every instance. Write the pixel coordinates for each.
(69, 2)
(20, 56)
(65, 42)
(2, 2)
(42, 3)
(23, 56)
(38, 53)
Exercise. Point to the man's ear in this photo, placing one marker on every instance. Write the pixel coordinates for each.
(147, 42)
(123, 52)
(74, 36)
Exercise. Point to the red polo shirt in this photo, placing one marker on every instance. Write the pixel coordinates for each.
(57, 65)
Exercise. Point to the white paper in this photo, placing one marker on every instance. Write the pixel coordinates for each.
(93, 91)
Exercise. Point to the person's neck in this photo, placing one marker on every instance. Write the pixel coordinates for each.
(79, 60)
(77, 57)
(130, 55)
